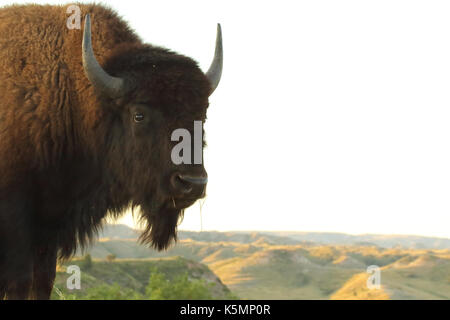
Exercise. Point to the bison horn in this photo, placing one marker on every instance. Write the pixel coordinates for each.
(215, 70)
(112, 86)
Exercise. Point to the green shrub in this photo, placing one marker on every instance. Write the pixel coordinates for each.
(111, 292)
(180, 288)
(86, 263)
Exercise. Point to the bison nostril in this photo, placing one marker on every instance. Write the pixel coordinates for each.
(194, 180)
(179, 184)
(186, 183)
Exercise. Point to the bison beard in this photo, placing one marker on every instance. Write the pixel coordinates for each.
(161, 228)
(71, 153)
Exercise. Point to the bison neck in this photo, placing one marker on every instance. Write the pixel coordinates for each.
(72, 202)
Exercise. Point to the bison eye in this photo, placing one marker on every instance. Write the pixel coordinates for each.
(138, 117)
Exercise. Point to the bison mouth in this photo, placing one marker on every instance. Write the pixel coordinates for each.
(186, 189)
(183, 203)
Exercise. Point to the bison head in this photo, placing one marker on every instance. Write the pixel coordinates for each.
(152, 93)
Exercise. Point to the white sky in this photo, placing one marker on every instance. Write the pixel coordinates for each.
(331, 115)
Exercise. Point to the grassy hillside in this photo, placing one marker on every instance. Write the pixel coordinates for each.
(417, 276)
(385, 241)
(266, 266)
(132, 276)
(295, 237)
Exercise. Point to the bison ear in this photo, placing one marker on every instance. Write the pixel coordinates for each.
(102, 81)
(214, 72)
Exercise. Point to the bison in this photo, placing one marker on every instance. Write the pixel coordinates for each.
(85, 136)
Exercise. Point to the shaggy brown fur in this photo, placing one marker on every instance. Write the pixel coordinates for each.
(68, 155)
